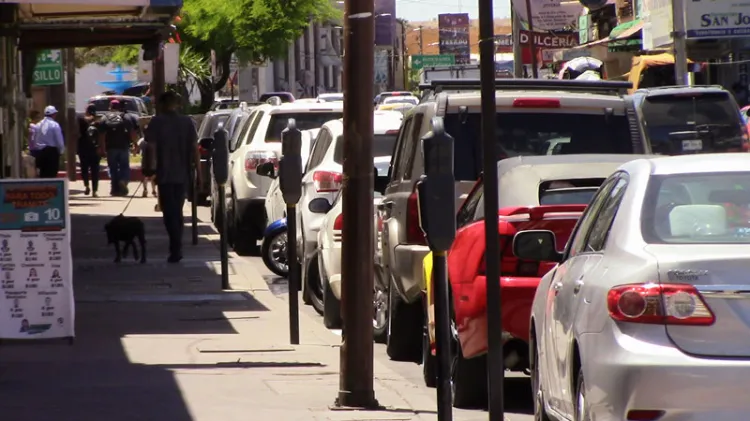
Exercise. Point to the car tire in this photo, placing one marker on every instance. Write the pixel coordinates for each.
(404, 341)
(540, 411)
(313, 287)
(267, 251)
(468, 381)
(331, 304)
(580, 403)
(429, 361)
(380, 333)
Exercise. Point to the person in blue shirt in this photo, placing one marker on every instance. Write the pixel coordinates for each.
(49, 143)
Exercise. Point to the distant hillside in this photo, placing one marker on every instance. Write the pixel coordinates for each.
(430, 35)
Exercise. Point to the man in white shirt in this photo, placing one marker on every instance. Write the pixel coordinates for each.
(49, 144)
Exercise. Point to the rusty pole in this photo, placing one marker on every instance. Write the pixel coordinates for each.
(356, 375)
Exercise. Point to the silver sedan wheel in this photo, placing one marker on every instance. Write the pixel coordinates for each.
(380, 309)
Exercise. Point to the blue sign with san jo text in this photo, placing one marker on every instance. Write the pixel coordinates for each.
(33, 205)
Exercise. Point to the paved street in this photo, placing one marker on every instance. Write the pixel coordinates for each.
(159, 342)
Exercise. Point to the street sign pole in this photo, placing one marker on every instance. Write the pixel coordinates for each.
(495, 374)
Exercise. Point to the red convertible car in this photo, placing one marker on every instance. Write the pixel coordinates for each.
(535, 192)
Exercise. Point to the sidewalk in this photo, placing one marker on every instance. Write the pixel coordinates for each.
(163, 342)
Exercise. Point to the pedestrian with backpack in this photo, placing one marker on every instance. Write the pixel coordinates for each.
(117, 132)
(88, 155)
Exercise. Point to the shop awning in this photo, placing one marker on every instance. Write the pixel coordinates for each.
(626, 37)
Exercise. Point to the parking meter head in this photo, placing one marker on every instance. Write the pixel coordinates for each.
(220, 155)
(290, 166)
(266, 169)
(437, 192)
(536, 245)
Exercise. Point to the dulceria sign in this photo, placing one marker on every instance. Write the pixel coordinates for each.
(550, 40)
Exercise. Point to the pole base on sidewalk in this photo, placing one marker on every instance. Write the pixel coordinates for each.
(356, 401)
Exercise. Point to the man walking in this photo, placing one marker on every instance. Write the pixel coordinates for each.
(49, 144)
(116, 133)
(88, 156)
(176, 146)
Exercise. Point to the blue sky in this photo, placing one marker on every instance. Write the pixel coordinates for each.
(422, 10)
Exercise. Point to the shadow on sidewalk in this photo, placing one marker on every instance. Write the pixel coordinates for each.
(113, 371)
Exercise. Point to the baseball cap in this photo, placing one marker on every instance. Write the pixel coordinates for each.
(91, 109)
(50, 110)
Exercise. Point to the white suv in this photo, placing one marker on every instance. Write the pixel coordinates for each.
(320, 186)
(260, 142)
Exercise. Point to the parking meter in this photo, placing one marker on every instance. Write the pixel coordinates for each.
(436, 198)
(290, 182)
(220, 172)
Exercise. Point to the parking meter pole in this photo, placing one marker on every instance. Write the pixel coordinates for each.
(220, 170)
(436, 200)
(495, 371)
(224, 246)
(294, 272)
(442, 335)
(290, 182)
(194, 207)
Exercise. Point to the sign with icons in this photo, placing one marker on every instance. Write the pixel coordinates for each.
(36, 272)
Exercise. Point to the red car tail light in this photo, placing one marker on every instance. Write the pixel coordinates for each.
(414, 234)
(672, 304)
(338, 223)
(327, 181)
(536, 103)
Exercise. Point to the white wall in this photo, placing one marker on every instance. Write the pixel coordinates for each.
(86, 78)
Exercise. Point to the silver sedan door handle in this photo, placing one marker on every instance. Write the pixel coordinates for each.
(556, 287)
(577, 287)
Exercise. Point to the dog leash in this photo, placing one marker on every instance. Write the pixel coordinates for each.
(131, 197)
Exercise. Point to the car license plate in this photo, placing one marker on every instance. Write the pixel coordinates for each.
(692, 145)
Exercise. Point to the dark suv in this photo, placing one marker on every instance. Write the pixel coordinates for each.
(680, 120)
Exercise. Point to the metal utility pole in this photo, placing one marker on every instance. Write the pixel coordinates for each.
(532, 46)
(157, 80)
(517, 48)
(680, 43)
(356, 365)
(495, 374)
(421, 40)
(72, 128)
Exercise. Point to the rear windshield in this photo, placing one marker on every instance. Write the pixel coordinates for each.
(305, 121)
(568, 192)
(533, 133)
(382, 145)
(102, 105)
(697, 209)
(209, 127)
(705, 123)
(225, 105)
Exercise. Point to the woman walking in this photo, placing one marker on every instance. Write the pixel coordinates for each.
(88, 153)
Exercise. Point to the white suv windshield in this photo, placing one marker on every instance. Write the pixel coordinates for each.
(304, 120)
(533, 133)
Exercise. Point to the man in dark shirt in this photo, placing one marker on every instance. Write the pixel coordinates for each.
(117, 132)
(88, 155)
(176, 147)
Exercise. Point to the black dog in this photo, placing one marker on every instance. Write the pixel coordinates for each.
(126, 229)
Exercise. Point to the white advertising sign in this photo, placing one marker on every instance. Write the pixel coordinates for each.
(717, 18)
(657, 23)
(36, 274)
(549, 15)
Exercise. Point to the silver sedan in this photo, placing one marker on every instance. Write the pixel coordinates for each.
(647, 314)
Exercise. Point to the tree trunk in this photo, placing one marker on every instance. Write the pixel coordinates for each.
(207, 95)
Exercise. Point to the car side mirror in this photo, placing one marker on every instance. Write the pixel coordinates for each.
(319, 205)
(266, 169)
(536, 245)
(381, 182)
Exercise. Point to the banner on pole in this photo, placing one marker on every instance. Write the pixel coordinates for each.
(36, 273)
